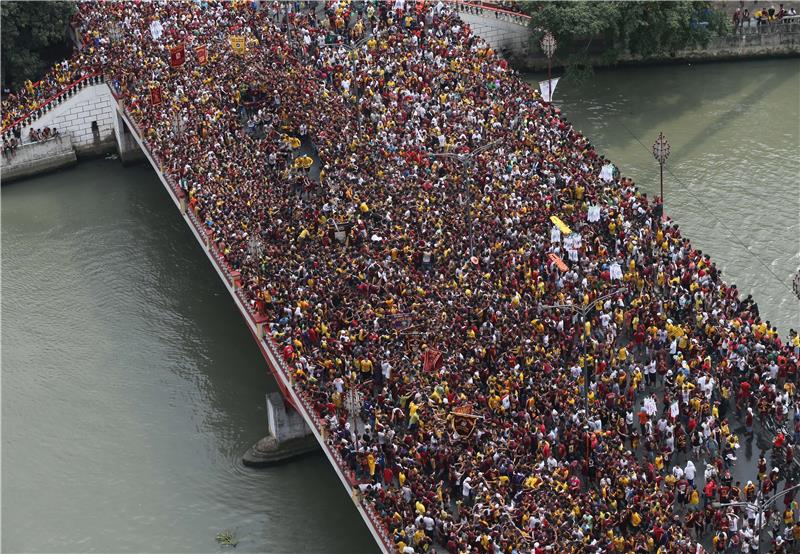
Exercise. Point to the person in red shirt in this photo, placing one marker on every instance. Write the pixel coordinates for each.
(709, 492)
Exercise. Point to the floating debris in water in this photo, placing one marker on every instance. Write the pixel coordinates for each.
(112, 157)
(226, 538)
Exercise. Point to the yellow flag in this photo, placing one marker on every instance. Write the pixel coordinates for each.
(238, 44)
(563, 227)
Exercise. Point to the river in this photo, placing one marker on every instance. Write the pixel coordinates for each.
(731, 180)
(131, 387)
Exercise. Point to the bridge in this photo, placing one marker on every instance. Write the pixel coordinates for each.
(92, 119)
(296, 414)
(507, 31)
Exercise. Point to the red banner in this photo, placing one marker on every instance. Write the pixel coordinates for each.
(155, 96)
(177, 56)
(431, 360)
(202, 54)
(463, 420)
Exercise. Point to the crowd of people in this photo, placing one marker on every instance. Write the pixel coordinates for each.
(36, 135)
(33, 95)
(761, 16)
(528, 384)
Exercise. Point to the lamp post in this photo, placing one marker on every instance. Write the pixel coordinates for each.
(114, 32)
(352, 49)
(255, 247)
(466, 161)
(352, 403)
(661, 153)
(761, 504)
(548, 45)
(584, 311)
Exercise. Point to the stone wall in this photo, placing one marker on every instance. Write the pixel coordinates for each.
(74, 117)
(38, 157)
(509, 38)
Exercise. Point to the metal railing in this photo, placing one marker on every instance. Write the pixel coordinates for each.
(787, 24)
(67, 92)
(489, 9)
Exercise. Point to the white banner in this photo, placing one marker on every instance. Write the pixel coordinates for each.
(547, 88)
(156, 29)
(607, 173)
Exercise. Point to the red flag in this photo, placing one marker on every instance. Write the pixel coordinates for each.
(431, 360)
(155, 96)
(177, 56)
(202, 54)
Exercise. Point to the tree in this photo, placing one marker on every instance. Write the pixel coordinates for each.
(599, 32)
(34, 35)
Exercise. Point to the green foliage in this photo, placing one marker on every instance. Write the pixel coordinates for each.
(601, 31)
(31, 33)
(226, 538)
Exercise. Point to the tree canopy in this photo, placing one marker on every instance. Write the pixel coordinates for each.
(601, 31)
(34, 36)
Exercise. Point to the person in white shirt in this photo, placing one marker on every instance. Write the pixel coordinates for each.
(690, 472)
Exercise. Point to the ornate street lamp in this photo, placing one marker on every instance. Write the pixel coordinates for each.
(661, 153)
(352, 402)
(548, 45)
(254, 246)
(114, 32)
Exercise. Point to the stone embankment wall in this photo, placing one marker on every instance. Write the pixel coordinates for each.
(741, 46)
(510, 35)
(38, 157)
(88, 124)
(86, 117)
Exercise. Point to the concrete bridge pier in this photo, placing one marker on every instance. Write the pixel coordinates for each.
(129, 151)
(289, 436)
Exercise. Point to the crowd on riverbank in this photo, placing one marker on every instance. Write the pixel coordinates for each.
(33, 95)
(428, 282)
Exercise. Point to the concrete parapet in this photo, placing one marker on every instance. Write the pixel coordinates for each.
(289, 436)
(38, 157)
(129, 151)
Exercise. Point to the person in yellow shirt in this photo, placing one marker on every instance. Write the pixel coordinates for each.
(636, 519)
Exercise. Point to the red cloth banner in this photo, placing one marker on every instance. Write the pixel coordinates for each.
(431, 360)
(177, 56)
(202, 54)
(155, 96)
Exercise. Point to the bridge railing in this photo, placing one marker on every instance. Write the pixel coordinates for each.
(268, 341)
(94, 78)
(489, 9)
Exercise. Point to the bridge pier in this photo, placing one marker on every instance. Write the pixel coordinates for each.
(288, 438)
(129, 151)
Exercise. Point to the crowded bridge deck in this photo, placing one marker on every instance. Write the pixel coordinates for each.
(505, 326)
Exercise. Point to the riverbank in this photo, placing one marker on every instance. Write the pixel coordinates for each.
(782, 41)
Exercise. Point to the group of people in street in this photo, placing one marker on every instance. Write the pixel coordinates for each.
(543, 362)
